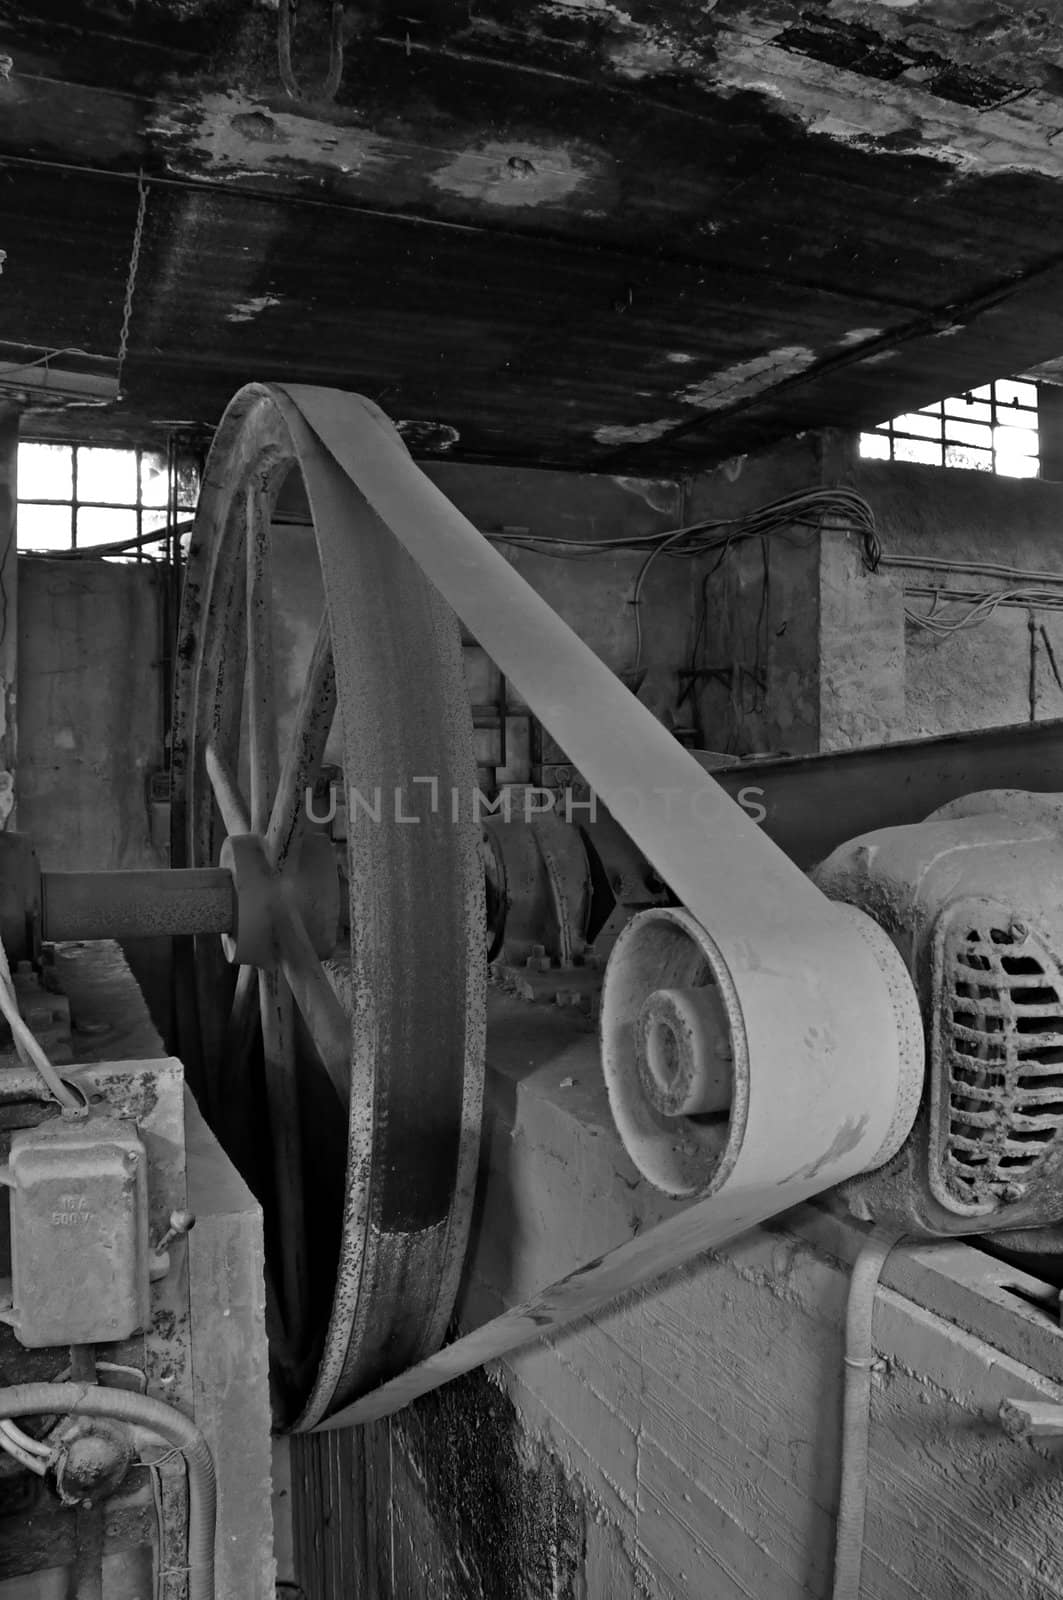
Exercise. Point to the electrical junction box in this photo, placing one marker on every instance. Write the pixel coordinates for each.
(79, 1232)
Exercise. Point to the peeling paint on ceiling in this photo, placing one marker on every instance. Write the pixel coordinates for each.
(518, 221)
(978, 86)
(429, 437)
(858, 336)
(518, 174)
(842, 105)
(234, 134)
(638, 433)
(747, 378)
(248, 310)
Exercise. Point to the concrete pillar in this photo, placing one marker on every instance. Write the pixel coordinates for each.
(861, 648)
(1050, 429)
(757, 611)
(8, 609)
(802, 649)
(862, 656)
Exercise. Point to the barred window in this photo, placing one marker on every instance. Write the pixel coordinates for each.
(990, 429)
(81, 497)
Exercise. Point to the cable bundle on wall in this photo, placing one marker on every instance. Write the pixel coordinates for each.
(808, 508)
(980, 607)
(1025, 590)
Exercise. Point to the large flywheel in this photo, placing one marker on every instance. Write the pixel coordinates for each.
(336, 1038)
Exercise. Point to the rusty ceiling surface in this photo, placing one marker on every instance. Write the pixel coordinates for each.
(632, 236)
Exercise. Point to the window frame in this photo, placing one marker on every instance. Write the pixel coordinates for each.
(75, 505)
(936, 411)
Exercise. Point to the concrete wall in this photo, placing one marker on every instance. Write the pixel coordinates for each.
(90, 717)
(593, 595)
(91, 648)
(759, 644)
(998, 672)
(591, 591)
(808, 650)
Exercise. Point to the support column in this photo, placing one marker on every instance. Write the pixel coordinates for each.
(862, 654)
(9, 418)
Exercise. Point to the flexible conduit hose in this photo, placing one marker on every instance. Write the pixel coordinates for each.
(856, 1416)
(86, 1400)
(26, 1451)
(26, 1045)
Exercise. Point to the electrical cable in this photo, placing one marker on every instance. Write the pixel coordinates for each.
(989, 569)
(26, 1441)
(980, 607)
(856, 1417)
(96, 552)
(29, 1453)
(636, 595)
(87, 1400)
(1023, 591)
(7, 373)
(29, 1050)
(804, 508)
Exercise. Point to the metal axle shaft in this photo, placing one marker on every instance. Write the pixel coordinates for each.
(139, 904)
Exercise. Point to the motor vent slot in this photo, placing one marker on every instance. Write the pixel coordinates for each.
(999, 1092)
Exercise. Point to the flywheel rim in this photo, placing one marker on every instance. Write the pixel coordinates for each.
(415, 991)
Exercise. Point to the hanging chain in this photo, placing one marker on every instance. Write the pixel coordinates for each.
(131, 276)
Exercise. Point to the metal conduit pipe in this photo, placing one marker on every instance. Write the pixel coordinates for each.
(87, 1400)
(856, 1409)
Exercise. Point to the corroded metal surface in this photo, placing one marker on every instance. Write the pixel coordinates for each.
(130, 905)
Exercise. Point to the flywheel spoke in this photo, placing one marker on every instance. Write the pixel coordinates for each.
(262, 701)
(327, 1022)
(282, 1095)
(240, 1034)
(237, 1051)
(302, 762)
(231, 803)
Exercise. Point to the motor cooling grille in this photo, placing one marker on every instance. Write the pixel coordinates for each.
(1001, 1023)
